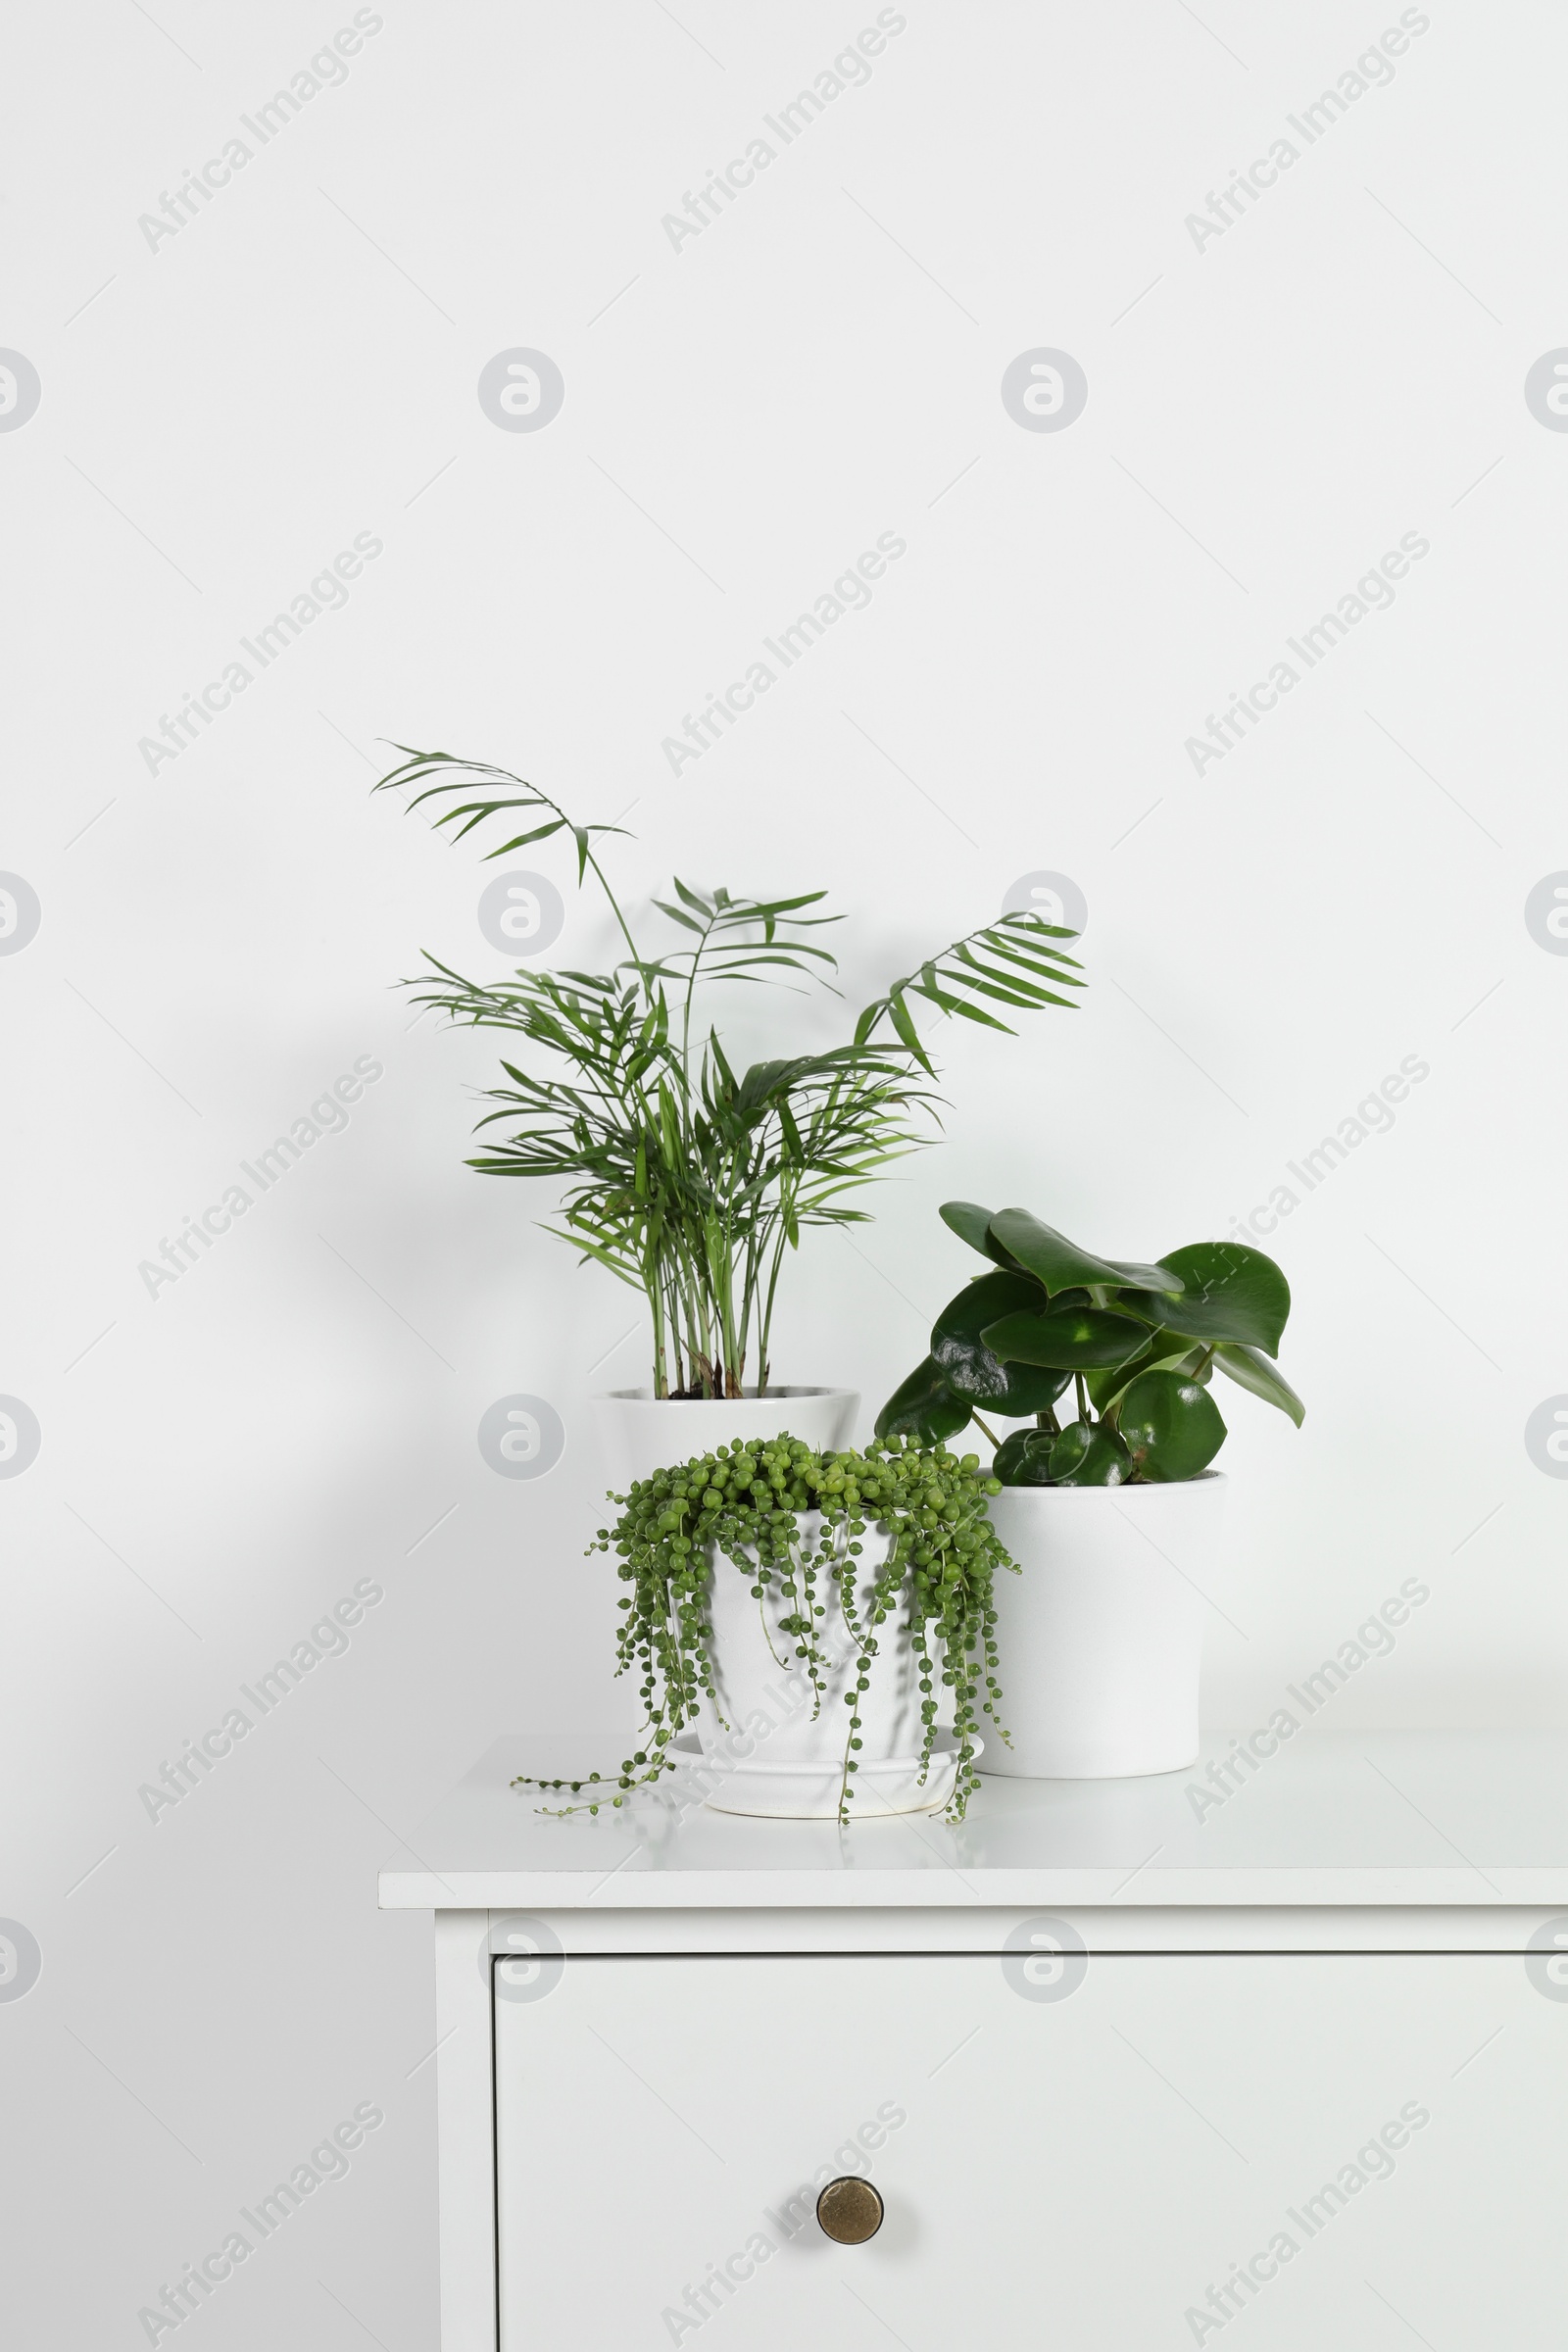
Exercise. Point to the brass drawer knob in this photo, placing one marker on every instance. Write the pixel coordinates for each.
(849, 2211)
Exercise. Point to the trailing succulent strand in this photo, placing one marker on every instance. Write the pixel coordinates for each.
(745, 1503)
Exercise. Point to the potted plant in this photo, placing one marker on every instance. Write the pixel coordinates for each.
(1109, 1506)
(795, 1617)
(687, 1178)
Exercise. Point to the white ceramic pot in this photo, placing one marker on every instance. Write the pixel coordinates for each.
(769, 1754)
(1101, 1638)
(640, 1432)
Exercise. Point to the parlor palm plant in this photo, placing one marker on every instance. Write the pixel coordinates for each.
(685, 1178)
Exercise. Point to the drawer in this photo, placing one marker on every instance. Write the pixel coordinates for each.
(1112, 2154)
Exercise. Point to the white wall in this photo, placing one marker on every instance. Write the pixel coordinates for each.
(1270, 408)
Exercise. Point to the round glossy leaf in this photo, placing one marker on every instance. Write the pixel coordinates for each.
(1167, 1351)
(970, 1368)
(923, 1406)
(1231, 1292)
(1070, 1338)
(1170, 1426)
(1031, 1389)
(956, 1347)
(1023, 1459)
(1088, 1454)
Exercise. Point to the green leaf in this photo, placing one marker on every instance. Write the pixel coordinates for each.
(1023, 1459)
(791, 1134)
(1166, 1352)
(1063, 1266)
(970, 1368)
(1231, 1292)
(972, 1224)
(969, 1221)
(1170, 1426)
(777, 907)
(1249, 1370)
(1034, 926)
(629, 1274)
(972, 1012)
(1106, 1382)
(947, 980)
(1161, 1279)
(923, 1406)
(520, 841)
(899, 1013)
(1088, 1454)
(1071, 1339)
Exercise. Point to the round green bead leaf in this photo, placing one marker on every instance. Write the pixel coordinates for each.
(1088, 1454)
(1023, 1459)
(1172, 1426)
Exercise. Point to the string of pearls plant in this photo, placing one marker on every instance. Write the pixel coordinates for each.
(745, 1504)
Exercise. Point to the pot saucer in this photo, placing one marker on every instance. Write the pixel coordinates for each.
(789, 1792)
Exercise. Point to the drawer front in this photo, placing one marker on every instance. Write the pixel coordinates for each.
(1118, 2154)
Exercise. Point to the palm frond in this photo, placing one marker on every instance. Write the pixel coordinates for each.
(1035, 970)
(677, 1174)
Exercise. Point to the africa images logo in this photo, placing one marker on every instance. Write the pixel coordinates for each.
(20, 1960)
(522, 1436)
(19, 390)
(19, 1437)
(19, 914)
(1546, 1436)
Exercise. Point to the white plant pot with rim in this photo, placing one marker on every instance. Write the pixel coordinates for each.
(641, 1433)
(1100, 1637)
(764, 1752)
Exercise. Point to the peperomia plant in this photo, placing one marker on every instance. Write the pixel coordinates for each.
(1138, 1344)
(740, 1511)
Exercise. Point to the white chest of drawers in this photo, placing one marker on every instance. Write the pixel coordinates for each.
(1124, 2070)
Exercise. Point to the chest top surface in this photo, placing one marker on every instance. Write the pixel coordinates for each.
(1472, 1818)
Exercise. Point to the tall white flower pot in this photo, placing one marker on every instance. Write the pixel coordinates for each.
(1101, 1638)
(640, 1432)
